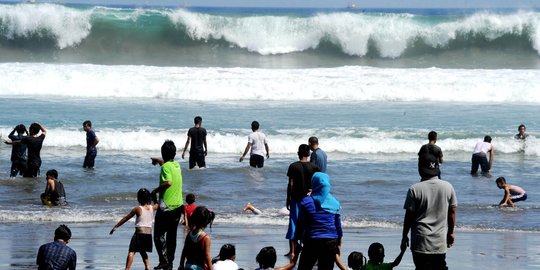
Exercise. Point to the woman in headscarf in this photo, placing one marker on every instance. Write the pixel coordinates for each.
(319, 225)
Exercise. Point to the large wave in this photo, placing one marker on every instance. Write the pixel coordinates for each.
(89, 31)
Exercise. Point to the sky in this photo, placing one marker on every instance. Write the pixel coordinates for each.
(320, 3)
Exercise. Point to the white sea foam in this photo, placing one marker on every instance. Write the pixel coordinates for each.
(349, 84)
(343, 140)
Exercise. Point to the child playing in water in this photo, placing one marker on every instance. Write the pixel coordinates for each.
(54, 194)
(142, 238)
(196, 252)
(376, 258)
(512, 193)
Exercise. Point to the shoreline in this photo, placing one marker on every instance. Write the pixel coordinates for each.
(96, 249)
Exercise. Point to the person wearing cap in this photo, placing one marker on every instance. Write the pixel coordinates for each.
(57, 255)
(430, 216)
(318, 156)
(225, 259)
(521, 133)
(479, 156)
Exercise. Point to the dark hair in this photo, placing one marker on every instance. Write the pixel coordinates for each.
(227, 252)
(62, 232)
(487, 139)
(266, 257)
(313, 140)
(303, 150)
(168, 150)
(87, 122)
(190, 198)
(20, 128)
(522, 126)
(52, 173)
(201, 217)
(376, 252)
(34, 128)
(432, 135)
(197, 120)
(254, 125)
(143, 196)
(356, 260)
(501, 180)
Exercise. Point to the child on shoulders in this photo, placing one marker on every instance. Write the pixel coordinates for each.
(142, 238)
(512, 193)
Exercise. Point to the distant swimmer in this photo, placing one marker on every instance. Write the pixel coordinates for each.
(91, 143)
(54, 194)
(253, 209)
(197, 138)
(512, 193)
(479, 156)
(521, 135)
(259, 145)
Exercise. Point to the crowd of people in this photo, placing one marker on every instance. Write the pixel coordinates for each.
(314, 231)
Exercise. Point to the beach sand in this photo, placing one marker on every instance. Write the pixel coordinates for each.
(96, 249)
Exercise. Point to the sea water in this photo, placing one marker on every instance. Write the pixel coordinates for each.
(369, 84)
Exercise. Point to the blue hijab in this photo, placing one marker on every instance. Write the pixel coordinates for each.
(320, 193)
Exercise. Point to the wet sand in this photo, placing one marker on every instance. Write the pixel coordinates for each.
(96, 249)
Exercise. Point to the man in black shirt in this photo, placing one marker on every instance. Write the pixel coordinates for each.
(197, 137)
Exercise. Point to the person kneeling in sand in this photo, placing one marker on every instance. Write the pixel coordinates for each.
(512, 193)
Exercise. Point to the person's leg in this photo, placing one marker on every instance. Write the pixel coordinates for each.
(129, 259)
(293, 217)
(192, 161)
(484, 165)
(31, 171)
(252, 161)
(173, 220)
(145, 260)
(327, 250)
(308, 257)
(159, 237)
(200, 160)
(474, 164)
(14, 169)
(89, 159)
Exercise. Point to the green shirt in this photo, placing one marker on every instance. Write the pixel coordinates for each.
(172, 196)
(382, 266)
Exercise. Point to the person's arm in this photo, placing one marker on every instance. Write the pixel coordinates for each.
(156, 160)
(73, 262)
(49, 188)
(491, 155)
(289, 191)
(208, 257)
(186, 146)
(162, 187)
(94, 143)
(43, 129)
(267, 150)
(205, 145)
(407, 224)
(39, 258)
(450, 238)
(398, 259)
(248, 146)
(340, 263)
(126, 218)
(506, 199)
(12, 136)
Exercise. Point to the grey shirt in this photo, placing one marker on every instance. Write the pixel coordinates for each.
(429, 201)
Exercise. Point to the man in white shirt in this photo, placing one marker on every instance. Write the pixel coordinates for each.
(258, 143)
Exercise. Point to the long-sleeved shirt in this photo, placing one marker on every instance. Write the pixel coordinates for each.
(316, 223)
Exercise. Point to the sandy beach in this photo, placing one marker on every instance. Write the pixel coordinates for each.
(96, 249)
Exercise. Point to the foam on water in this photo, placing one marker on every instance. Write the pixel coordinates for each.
(349, 84)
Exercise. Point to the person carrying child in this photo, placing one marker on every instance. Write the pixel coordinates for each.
(376, 258)
(141, 241)
(512, 193)
(196, 252)
(18, 152)
(54, 194)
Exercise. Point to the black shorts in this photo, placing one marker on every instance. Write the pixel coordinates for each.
(198, 159)
(141, 242)
(256, 161)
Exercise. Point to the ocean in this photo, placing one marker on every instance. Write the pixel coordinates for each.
(370, 84)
